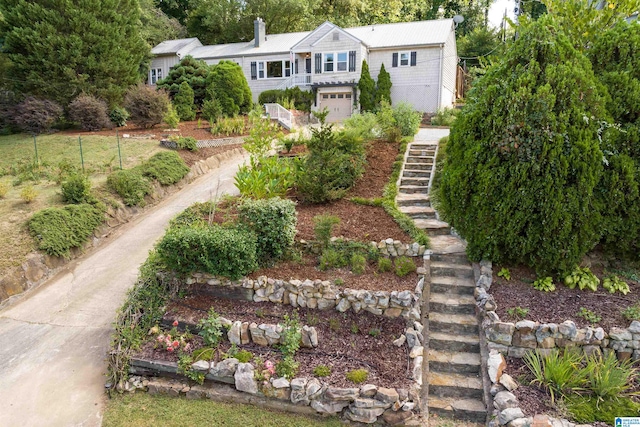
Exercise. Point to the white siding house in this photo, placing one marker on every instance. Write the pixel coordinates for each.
(420, 57)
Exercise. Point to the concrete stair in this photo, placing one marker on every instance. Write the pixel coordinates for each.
(454, 361)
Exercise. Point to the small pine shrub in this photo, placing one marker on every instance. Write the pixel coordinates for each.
(36, 116)
(323, 228)
(322, 371)
(166, 167)
(76, 188)
(358, 376)
(119, 116)
(183, 102)
(404, 266)
(130, 185)
(28, 194)
(383, 86)
(227, 252)
(89, 112)
(211, 110)
(332, 258)
(367, 87)
(146, 105)
(171, 117)
(384, 265)
(57, 230)
(358, 263)
(274, 223)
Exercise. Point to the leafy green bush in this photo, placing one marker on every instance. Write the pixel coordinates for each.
(186, 143)
(331, 258)
(89, 112)
(544, 284)
(387, 123)
(274, 223)
(119, 116)
(130, 185)
(166, 167)
(211, 329)
(407, 119)
(59, 229)
(404, 266)
(588, 315)
(582, 278)
(146, 105)
(523, 159)
(228, 85)
(365, 125)
(227, 252)
(358, 376)
(243, 356)
(76, 188)
(271, 177)
(194, 214)
(183, 102)
(445, 117)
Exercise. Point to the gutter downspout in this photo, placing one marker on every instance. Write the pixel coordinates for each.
(440, 76)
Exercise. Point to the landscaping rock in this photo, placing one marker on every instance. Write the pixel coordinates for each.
(520, 422)
(504, 400)
(412, 337)
(257, 335)
(368, 390)
(496, 364)
(342, 394)
(201, 366)
(314, 388)
(329, 407)
(309, 337)
(235, 332)
(244, 333)
(568, 329)
(343, 305)
(508, 382)
(509, 414)
(387, 395)
(416, 351)
(396, 418)
(500, 333)
(620, 334)
(363, 415)
(634, 328)
(298, 391)
(281, 389)
(244, 378)
(400, 341)
(224, 371)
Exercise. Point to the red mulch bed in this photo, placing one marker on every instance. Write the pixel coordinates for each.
(371, 280)
(344, 341)
(159, 131)
(191, 157)
(562, 304)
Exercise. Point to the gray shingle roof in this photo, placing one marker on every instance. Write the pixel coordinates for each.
(172, 46)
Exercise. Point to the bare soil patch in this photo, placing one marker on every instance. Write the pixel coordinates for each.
(562, 304)
(346, 341)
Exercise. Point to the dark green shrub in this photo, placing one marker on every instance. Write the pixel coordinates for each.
(323, 228)
(367, 89)
(383, 86)
(274, 223)
(187, 143)
(228, 85)
(364, 125)
(76, 188)
(191, 71)
(227, 252)
(211, 110)
(36, 116)
(59, 229)
(523, 159)
(89, 112)
(130, 185)
(146, 105)
(404, 266)
(445, 117)
(166, 167)
(119, 116)
(332, 258)
(183, 102)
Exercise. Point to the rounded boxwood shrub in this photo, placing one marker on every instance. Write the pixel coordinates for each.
(130, 185)
(274, 223)
(227, 252)
(228, 85)
(167, 167)
(523, 157)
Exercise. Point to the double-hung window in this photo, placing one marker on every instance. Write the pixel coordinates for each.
(404, 59)
(155, 75)
(342, 61)
(335, 62)
(271, 69)
(329, 59)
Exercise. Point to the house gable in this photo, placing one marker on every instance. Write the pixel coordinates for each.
(304, 45)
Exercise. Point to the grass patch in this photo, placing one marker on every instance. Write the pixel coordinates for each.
(142, 409)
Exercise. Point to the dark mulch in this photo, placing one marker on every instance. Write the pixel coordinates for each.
(380, 158)
(562, 304)
(370, 280)
(192, 157)
(344, 339)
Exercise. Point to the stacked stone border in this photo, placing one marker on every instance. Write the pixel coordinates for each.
(223, 380)
(206, 143)
(38, 267)
(516, 339)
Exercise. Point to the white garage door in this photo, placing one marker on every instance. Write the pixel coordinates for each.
(339, 105)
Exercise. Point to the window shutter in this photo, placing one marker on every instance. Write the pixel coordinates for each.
(254, 71)
(318, 63)
(352, 60)
(394, 61)
(413, 58)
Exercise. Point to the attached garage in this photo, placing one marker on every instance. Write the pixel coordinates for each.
(339, 104)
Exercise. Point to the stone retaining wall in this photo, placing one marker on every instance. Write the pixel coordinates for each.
(206, 143)
(38, 267)
(385, 247)
(319, 294)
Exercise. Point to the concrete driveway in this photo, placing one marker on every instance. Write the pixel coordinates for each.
(53, 344)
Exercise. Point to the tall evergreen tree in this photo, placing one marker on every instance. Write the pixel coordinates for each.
(60, 49)
(383, 86)
(367, 88)
(190, 70)
(183, 101)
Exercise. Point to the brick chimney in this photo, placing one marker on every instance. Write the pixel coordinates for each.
(259, 32)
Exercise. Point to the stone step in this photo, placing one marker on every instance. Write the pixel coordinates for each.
(419, 152)
(413, 189)
(423, 145)
(451, 270)
(413, 200)
(453, 342)
(451, 258)
(467, 386)
(418, 166)
(459, 409)
(452, 285)
(408, 173)
(433, 227)
(418, 212)
(452, 303)
(419, 160)
(414, 181)
(453, 323)
(447, 244)
(454, 362)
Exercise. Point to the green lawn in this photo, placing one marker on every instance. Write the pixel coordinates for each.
(141, 409)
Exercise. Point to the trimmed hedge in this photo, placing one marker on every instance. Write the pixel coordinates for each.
(166, 167)
(274, 223)
(227, 252)
(57, 230)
